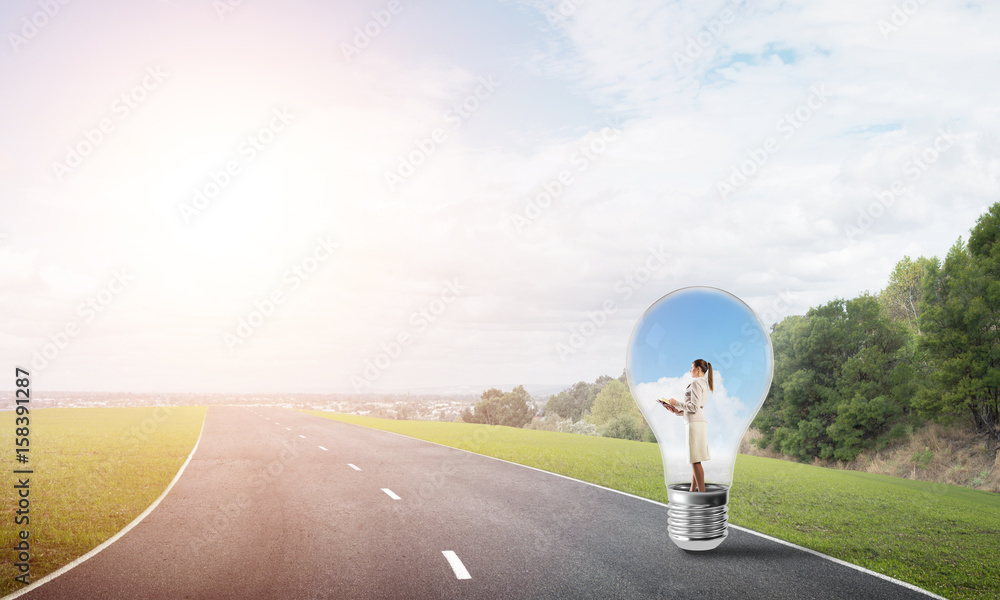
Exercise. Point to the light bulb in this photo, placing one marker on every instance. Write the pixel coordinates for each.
(685, 325)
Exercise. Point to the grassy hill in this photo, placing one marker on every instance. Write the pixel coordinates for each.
(955, 454)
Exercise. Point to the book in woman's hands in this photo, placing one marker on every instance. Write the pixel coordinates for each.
(668, 406)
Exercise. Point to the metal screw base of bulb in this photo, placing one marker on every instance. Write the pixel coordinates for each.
(698, 521)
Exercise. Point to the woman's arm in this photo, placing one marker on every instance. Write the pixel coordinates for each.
(699, 393)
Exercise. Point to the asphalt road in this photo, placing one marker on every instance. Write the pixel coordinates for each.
(263, 511)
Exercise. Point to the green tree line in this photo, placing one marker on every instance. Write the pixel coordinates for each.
(606, 404)
(853, 374)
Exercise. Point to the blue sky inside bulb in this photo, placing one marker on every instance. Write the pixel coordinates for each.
(684, 325)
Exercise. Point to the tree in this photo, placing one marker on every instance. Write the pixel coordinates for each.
(575, 401)
(961, 315)
(616, 414)
(840, 380)
(903, 293)
(405, 411)
(623, 428)
(512, 409)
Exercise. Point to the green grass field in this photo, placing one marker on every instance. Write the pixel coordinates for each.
(942, 538)
(95, 469)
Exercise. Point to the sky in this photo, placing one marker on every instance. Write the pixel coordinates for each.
(324, 196)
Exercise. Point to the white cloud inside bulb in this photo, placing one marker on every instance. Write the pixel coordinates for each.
(728, 417)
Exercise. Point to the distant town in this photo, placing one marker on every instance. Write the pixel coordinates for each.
(423, 407)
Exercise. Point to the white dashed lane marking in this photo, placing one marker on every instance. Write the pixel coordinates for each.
(456, 565)
(322, 448)
(390, 493)
(355, 467)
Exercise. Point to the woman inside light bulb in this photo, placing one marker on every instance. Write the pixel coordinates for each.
(690, 409)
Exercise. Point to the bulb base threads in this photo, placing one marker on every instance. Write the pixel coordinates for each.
(698, 521)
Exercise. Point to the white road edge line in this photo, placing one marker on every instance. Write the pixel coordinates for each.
(355, 467)
(115, 537)
(391, 494)
(658, 503)
(456, 565)
(324, 449)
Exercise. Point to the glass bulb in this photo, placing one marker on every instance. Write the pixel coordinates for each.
(685, 325)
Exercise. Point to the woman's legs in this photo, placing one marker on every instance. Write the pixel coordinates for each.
(697, 477)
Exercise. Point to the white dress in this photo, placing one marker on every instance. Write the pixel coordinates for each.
(694, 419)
